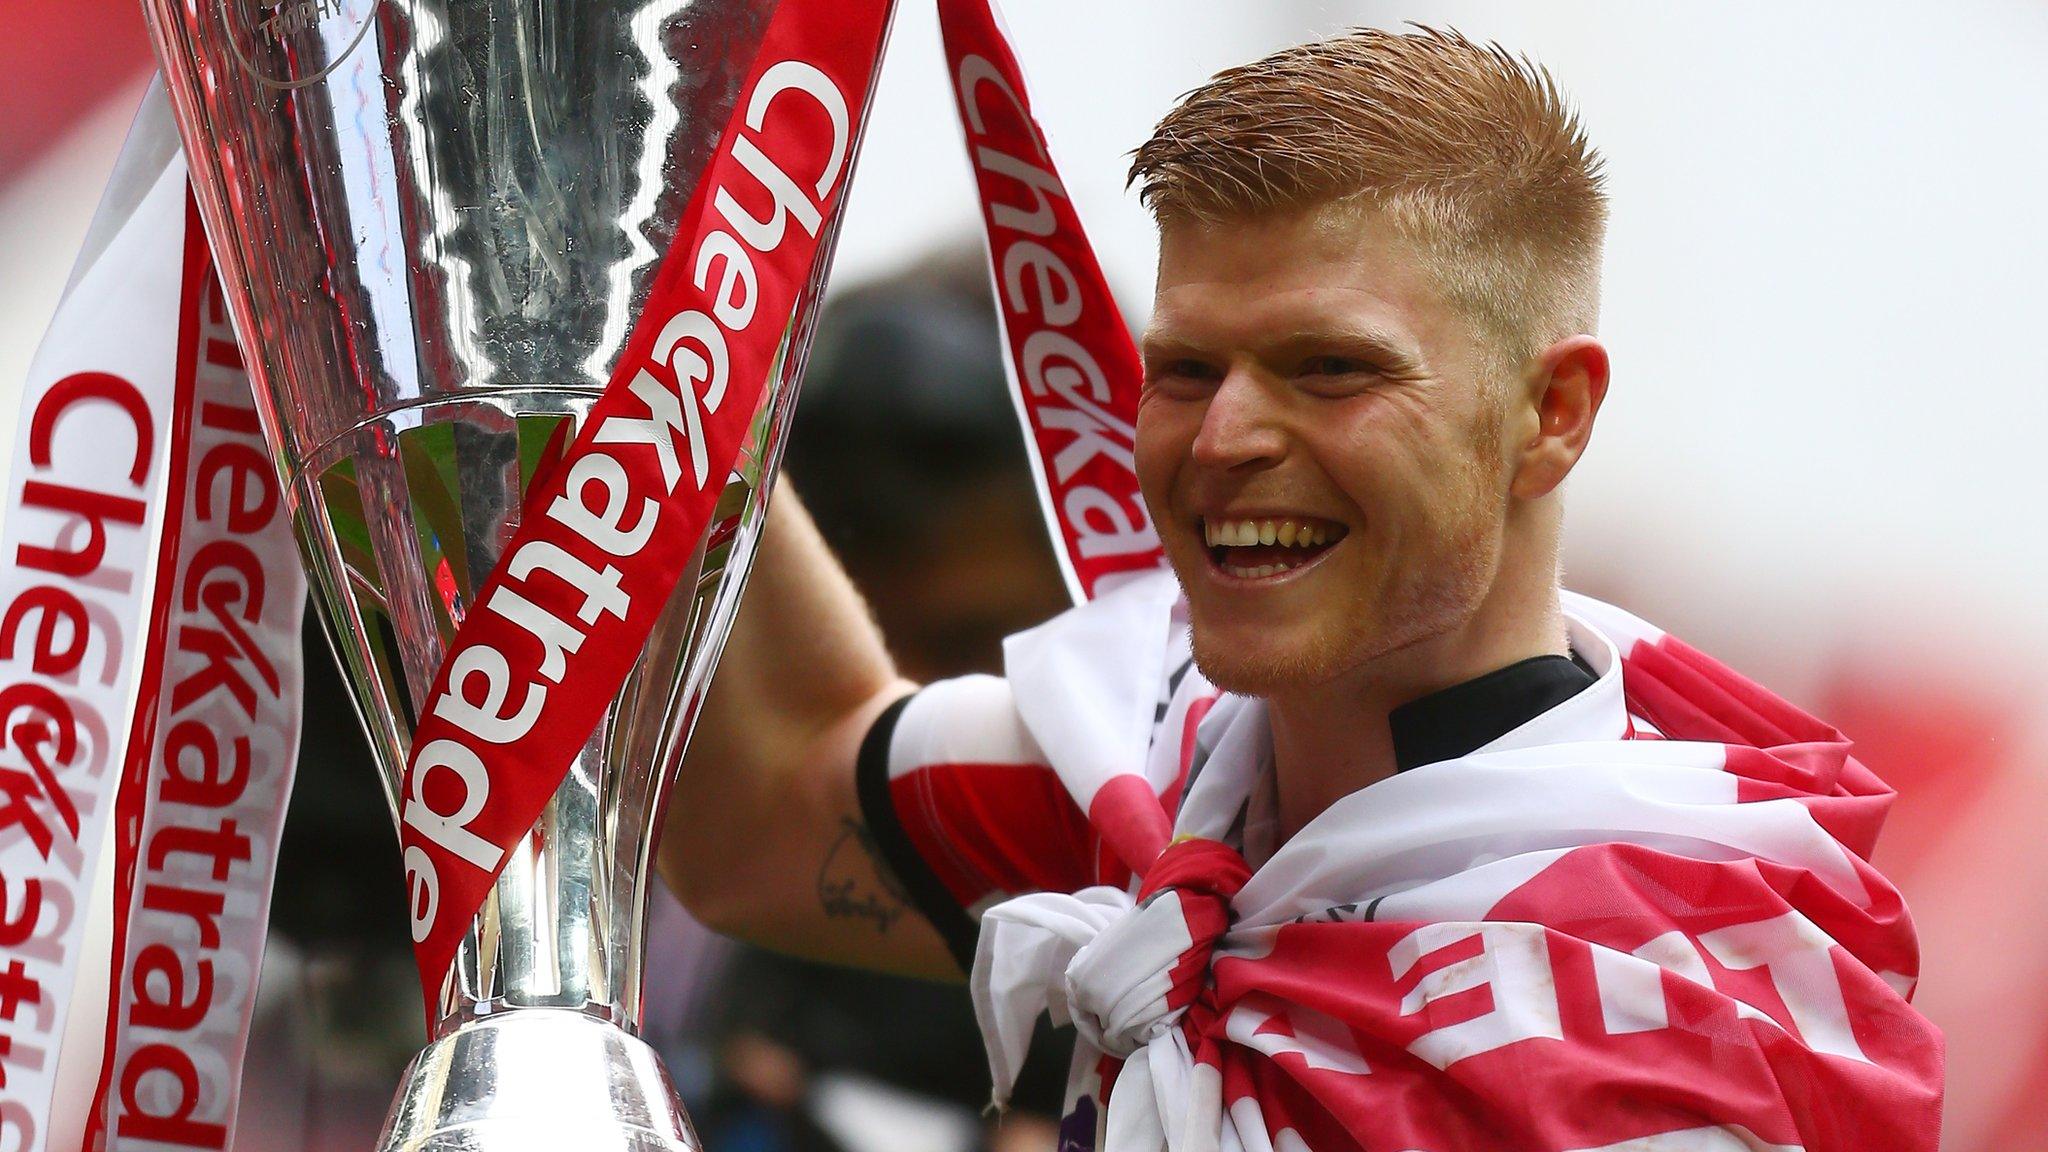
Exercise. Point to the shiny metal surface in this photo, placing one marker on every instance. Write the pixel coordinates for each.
(542, 1080)
(436, 221)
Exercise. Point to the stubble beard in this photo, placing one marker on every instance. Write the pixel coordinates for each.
(1410, 609)
(1432, 595)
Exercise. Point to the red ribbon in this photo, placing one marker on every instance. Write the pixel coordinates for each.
(561, 621)
(1074, 372)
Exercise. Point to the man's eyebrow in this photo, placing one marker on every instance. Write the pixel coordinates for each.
(1387, 352)
(1153, 343)
(1160, 346)
(1390, 354)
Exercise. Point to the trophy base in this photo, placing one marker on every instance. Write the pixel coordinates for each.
(529, 1079)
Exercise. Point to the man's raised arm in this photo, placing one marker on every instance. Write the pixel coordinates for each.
(764, 837)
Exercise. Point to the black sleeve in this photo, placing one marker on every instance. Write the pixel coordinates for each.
(927, 894)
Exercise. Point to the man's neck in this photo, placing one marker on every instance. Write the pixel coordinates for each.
(1332, 739)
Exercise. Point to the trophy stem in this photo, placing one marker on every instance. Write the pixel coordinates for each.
(537, 1079)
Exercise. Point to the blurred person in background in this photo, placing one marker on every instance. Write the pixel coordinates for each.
(909, 456)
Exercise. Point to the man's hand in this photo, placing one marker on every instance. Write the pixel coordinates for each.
(764, 837)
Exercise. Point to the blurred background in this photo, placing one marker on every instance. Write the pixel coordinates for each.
(1826, 283)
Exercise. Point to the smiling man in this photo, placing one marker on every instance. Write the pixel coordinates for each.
(1359, 832)
(1356, 476)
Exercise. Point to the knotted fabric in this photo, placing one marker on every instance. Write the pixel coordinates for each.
(1644, 919)
(1131, 966)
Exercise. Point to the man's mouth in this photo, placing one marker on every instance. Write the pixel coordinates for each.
(1253, 549)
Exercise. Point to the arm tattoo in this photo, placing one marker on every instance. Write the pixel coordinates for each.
(855, 883)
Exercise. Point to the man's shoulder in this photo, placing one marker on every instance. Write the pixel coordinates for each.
(1104, 689)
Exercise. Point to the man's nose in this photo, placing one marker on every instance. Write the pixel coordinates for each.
(1241, 429)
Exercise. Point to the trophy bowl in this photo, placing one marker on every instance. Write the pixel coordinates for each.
(436, 222)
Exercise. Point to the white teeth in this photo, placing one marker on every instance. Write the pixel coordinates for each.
(1259, 571)
(1248, 533)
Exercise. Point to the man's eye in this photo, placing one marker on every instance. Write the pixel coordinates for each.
(1335, 366)
(1182, 372)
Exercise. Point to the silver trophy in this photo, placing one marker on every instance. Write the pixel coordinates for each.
(437, 221)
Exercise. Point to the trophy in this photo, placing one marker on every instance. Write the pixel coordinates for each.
(436, 222)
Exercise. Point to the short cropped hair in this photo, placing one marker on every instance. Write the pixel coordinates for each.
(1470, 151)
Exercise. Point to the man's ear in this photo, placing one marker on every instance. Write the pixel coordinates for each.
(1566, 384)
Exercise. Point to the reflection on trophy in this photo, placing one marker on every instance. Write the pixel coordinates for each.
(437, 221)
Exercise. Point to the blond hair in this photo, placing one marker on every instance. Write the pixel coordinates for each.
(1471, 152)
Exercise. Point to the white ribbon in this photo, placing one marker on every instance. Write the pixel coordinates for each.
(1098, 960)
